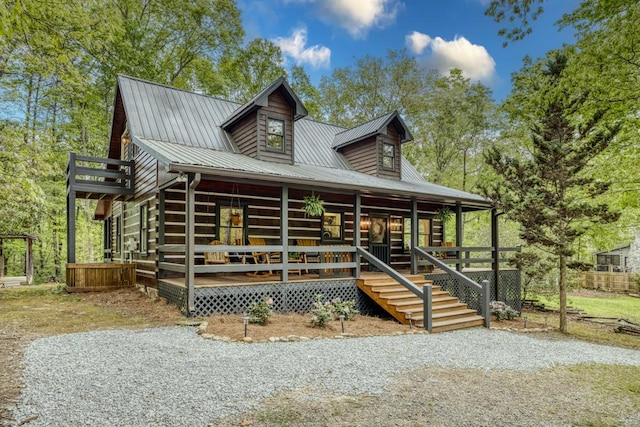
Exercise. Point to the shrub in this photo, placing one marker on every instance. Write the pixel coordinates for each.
(260, 312)
(322, 312)
(502, 311)
(344, 308)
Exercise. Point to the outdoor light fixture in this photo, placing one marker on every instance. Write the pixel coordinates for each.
(545, 321)
(409, 316)
(245, 320)
(525, 322)
(181, 177)
(341, 317)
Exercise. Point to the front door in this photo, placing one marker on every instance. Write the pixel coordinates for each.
(379, 239)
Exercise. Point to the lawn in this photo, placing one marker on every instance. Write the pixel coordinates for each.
(601, 304)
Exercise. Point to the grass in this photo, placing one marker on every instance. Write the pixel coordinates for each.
(605, 305)
(46, 310)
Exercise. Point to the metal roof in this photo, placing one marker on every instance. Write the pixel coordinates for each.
(195, 159)
(372, 127)
(183, 129)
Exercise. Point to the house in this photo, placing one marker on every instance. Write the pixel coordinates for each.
(186, 170)
(615, 260)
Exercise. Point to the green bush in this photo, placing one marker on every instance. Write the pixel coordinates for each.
(260, 312)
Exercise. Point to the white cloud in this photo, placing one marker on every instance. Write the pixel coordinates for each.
(294, 47)
(356, 16)
(417, 42)
(474, 60)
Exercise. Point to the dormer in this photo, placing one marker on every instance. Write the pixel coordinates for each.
(375, 147)
(263, 127)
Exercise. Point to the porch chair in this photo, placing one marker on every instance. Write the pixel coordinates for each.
(309, 256)
(216, 257)
(260, 257)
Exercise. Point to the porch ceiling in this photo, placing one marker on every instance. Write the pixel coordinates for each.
(179, 158)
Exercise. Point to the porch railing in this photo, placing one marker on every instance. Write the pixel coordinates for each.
(483, 289)
(466, 256)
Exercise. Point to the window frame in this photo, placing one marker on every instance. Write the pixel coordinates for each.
(280, 149)
(144, 228)
(340, 227)
(119, 234)
(386, 156)
(407, 232)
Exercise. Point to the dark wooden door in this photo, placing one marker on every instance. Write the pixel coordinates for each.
(379, 239)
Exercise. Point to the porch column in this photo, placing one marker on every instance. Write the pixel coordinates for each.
(71, 209)
(284, 232)
(357, 208)
(414, 234)
(29, 260)
(495, 251)
(190, 229)
(459, 231)
(162, 195)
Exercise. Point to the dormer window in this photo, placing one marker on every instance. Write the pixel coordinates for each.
(389, 156)
(275, 135)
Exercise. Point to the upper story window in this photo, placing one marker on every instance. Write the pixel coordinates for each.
(388, 156)
(275, 134)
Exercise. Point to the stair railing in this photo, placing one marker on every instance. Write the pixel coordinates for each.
(485, 294)
(425, 294)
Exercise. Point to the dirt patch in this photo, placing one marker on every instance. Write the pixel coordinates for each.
(285, 325)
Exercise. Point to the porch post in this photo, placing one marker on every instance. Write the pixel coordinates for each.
(160, 239)
(71, 226)
(495, 241)
(357, 207)
(190, 230)
(414, 234)
(29, 261)
(459, 230)
(284, 232)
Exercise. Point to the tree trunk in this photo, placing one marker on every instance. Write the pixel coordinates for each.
(563, 294)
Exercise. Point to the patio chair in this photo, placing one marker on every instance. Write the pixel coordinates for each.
(309, 256)
(260, 257)
(216, 257)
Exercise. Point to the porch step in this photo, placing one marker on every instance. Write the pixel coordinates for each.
(447, 312)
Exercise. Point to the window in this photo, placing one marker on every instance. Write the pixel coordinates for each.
(231, 224)
(389, 156)
(275, 135)
(144, 229)
(108, 237)
(332, 223)
(118, 234)
(424, 233)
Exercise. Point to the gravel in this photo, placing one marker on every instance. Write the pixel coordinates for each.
(171, 376)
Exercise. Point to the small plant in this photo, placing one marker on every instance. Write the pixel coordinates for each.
(444, 214)
(322, 312)
(344, 308)
(502, 311)
(260, 312)
(313, 205)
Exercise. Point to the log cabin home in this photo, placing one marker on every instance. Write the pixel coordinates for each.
(205, 199)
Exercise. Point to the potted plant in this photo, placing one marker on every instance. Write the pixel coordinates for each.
(313, 205)
(235, 218)
(444, 214)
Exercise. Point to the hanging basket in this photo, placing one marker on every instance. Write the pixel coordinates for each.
(313, 205)
(234, 219)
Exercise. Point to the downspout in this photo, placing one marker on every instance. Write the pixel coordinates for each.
(190, 225)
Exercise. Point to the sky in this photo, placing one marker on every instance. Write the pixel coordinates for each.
(322, 35)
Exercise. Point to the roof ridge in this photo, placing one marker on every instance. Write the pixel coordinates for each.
(369, 121)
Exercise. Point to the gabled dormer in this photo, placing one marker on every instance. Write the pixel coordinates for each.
(375, 147)
(263, 127)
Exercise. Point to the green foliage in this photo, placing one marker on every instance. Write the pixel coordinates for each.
(313, 205)
(519, 13)
(344, 308)
(321, 313)
(260, 312)
(502, 311)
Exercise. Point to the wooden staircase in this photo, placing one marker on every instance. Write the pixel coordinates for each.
(448, 313)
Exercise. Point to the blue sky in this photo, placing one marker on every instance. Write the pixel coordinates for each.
(324, 34)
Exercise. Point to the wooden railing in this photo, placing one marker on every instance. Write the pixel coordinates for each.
(467, 256)
(95, 175)
(99, 277)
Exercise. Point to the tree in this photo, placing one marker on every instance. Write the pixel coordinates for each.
(308, 93)
(549, 190)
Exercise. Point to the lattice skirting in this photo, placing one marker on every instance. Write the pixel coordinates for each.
(287, 297)
(508, 289)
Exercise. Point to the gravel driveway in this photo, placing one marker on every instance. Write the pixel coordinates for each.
(172, 377)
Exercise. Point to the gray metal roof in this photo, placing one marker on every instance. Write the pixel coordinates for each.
(195, 159)
(183, 130)
(372, 127)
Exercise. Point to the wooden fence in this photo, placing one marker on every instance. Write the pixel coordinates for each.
(609, 281)
(99, 277)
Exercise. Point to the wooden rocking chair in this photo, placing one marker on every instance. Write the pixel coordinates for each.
(260, 257)
(309, 256)
(216, 257)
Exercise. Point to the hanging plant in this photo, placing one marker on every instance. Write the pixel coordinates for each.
(313, 205)
(235, 218)
(444, 214)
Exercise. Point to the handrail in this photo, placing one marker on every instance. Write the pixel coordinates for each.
(483, 289)
(389, 271)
